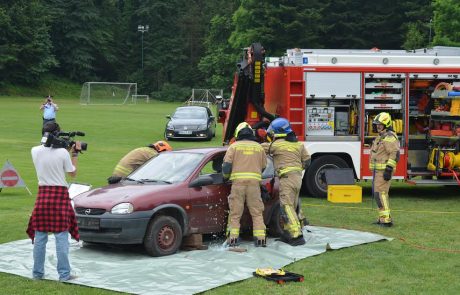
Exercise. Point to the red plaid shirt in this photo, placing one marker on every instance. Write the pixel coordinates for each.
(53, 212)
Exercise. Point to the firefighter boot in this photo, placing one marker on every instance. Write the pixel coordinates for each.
(233, 241)
(298, 241)
(260, 242)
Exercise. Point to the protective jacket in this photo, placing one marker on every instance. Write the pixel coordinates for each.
(287, 156)
(248, 161)
(133, 160)
(384, 151)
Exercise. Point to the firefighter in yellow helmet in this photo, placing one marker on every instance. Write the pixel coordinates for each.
(290, 157)
(243, 164)
(136, 158)
(383, 159)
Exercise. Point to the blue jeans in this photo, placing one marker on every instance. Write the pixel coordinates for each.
(62, 253)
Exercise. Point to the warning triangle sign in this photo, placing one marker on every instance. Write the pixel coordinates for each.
(9, 177)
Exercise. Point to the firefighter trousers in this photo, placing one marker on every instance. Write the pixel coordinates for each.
(381, 196)
(289, 200)
(249, 193)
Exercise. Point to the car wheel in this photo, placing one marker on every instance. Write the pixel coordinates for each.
(209, 135)
(276, 225)
(315, 180)
(163, 236)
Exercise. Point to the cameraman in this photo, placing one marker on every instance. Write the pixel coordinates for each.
(49, 109)
(53, 211)
(135, 158)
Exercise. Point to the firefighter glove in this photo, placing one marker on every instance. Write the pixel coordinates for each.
(387, 173)
(264, 193)
(113, 179)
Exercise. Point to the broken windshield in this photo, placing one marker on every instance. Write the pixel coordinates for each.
(167, 168)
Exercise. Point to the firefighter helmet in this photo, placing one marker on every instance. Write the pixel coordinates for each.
(242, 126)
(161, 146)
(279, 126)
(383, 118)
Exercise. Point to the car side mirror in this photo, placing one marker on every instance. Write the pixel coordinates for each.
(168, 117)
(211, 117)
(202, 180)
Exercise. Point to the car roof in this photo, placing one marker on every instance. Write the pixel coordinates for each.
(202, 150)
(192, 107)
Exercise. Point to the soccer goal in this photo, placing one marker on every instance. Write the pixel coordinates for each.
(108, 93)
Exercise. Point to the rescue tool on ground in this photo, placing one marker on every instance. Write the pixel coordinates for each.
(331, 98)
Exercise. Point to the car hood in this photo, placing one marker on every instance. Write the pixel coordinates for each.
(142, 196)
(188, 122)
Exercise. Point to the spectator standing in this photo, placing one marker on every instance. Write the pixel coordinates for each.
(49, 109)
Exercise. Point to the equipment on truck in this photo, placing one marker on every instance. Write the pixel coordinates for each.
(331, 98)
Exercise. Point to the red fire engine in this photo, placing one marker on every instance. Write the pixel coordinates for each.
(331, 97)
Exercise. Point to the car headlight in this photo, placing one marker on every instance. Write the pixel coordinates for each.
(202, 127)
(122, 208)
(170, 126)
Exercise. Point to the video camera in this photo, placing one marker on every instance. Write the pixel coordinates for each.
(63, 139)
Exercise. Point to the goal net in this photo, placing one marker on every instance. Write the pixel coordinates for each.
(108, 93)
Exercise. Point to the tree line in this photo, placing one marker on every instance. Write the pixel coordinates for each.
(196, 43)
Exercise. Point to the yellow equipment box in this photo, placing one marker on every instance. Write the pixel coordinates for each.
(344, 193)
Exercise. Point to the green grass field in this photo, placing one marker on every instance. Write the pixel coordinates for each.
(422, 259)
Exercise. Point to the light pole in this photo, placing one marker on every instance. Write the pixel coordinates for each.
(142, 29)
(429, 37)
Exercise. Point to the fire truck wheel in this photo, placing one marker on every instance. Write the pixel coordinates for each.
(314, 179)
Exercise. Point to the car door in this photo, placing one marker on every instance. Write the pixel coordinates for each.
(210, 202)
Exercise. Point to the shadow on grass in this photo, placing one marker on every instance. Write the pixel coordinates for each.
(405, 191)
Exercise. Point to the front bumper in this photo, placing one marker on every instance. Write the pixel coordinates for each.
(186, 133)
(114, 229)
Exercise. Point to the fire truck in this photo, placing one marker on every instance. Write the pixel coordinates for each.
(331, 97)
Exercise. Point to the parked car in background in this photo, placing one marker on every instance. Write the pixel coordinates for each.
(173, 195)
(191, 122)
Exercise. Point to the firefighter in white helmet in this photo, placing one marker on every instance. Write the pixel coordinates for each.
(290, 157)
(383, 159)
(243, 164)
(135, 158)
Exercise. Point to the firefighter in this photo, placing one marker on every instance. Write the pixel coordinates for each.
(290, 157)
(383, 160)
(243, 164)
(136, 158)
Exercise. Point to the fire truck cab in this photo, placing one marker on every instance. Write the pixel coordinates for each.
(331, 97)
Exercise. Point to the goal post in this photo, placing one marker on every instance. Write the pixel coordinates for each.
(108, 93)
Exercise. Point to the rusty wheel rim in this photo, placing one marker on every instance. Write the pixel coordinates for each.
(166, 237)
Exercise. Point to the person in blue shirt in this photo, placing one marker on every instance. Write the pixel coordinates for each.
(49, 109)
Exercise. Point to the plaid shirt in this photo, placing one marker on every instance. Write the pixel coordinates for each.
(53, 212)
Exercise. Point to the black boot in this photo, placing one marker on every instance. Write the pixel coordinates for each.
(260, 242)
(233, 242)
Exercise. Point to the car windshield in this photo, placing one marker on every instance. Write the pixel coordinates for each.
(168, 168)
(190, 113)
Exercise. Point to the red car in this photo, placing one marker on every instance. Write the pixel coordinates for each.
(171, 196)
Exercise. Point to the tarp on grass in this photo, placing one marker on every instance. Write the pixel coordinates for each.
(132, 271)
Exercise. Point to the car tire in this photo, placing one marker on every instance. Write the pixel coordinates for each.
(276, 224)
(163, 236)
(314, 180)
(209, 135)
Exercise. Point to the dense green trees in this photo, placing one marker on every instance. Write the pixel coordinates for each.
(196, 43)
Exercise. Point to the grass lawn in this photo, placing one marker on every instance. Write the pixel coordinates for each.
(422, 259)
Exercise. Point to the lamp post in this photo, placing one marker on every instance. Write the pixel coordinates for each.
(142, 29)
(429, 37)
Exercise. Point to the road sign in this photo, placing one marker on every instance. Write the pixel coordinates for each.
(9, 177)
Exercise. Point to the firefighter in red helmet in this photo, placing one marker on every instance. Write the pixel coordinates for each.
(383, 160)
(136, 158)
